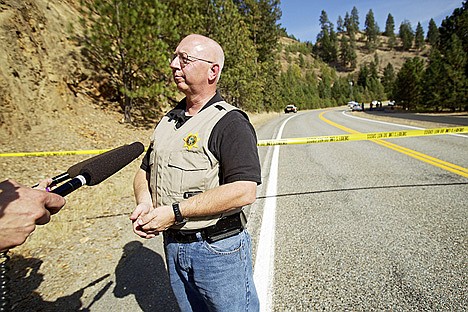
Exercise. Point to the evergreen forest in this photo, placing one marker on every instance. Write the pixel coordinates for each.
(130, 44)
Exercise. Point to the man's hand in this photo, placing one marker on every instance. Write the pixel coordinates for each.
(141, 210)
(21, 208)
(157, 220)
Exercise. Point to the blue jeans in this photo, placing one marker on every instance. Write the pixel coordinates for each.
(212, 276)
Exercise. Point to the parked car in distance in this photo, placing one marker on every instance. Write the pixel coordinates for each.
(290, 109)
(391, 103)
(357, 108)
(352, 103)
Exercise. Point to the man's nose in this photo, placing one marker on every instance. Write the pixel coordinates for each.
(175, 63)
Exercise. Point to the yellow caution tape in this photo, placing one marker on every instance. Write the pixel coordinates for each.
(56, 153)
(291, 141)
(363, 136)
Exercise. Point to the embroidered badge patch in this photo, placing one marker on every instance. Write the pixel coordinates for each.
(191, 141)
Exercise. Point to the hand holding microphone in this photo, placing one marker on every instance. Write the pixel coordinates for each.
(21, 208)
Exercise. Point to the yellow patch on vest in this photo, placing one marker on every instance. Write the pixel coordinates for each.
(191, 141)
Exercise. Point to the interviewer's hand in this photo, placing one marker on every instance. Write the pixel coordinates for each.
(21, 208)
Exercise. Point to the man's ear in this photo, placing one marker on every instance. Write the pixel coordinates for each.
(214, 72)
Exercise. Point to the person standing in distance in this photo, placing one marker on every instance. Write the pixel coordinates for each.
(201, 169)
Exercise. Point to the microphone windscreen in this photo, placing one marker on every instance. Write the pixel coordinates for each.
(75, 170)
(102, 166)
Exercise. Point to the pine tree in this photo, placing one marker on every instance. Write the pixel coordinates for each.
(372, 31)
(130, 41)
(340, 24)
(457, 23)
(363, 76)
(327, 40)
(434, 82)
(260, 17)
(194, 18)
(456, 83)
(347, 53)
(419, 37)
(408, 84)
(324, 88)
(389, 26)
(349, 26)
(390, 31)
(388, 79)
(355, 19)
(406, 35)
(239, 83)
(433, 33)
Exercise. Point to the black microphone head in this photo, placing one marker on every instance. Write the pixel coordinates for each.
(102, 166)
(76, 169)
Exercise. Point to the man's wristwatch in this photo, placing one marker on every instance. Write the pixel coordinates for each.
(179, 219)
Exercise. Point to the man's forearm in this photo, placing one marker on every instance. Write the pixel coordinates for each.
(141, 187)
(220, 199)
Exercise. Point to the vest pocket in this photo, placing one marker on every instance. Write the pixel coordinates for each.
(187, 172)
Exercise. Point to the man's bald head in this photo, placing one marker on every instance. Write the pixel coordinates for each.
(205, 48)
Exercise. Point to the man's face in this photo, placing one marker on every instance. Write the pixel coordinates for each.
(190, 65)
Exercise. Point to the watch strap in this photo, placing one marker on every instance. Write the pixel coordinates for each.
(178, 215)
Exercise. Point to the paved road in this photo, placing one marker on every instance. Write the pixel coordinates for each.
(455, 119)
(358, 226)
(361, 226)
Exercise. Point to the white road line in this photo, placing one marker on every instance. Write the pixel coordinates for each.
(265, 258)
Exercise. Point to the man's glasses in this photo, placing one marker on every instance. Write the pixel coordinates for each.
(186, 59)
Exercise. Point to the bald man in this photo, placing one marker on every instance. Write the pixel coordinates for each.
(201, 169)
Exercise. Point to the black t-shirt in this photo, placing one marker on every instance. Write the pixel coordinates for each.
(233, 142)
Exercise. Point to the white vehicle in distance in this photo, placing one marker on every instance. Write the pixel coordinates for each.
(290, 109)
(354, 106)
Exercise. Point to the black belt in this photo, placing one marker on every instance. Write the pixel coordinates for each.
(225, 227)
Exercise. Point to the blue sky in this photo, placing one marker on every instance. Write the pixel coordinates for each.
(301, 17)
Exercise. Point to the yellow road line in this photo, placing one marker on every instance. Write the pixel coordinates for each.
(417, 155)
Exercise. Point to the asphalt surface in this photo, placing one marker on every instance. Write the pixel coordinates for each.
(359, 227)
(362, 227)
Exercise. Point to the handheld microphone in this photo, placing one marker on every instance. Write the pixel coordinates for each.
(91, 171)
(98, 168)
(74, 170)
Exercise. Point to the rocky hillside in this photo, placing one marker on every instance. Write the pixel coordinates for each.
(363, 57)
(38, 63)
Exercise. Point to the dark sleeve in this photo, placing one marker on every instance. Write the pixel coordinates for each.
(233, 142)
(145, 162)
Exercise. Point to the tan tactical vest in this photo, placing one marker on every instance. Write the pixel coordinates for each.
(181, 161)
